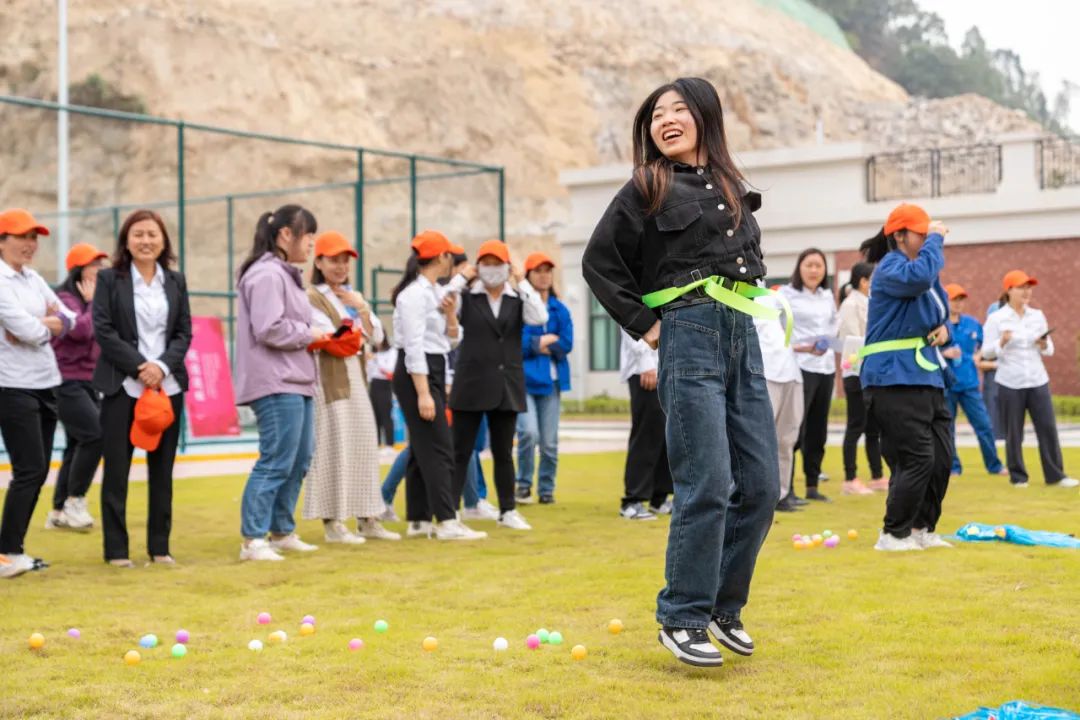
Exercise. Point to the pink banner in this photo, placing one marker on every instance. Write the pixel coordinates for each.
(210, 402)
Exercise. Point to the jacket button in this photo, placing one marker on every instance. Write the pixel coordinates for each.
(720, 206)
(731, 233)
(500, 367)
(701, 171)
(708, 186)
(739, 260)
(742, 270)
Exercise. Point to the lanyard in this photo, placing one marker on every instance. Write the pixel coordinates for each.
(739, 297)
(915, 343)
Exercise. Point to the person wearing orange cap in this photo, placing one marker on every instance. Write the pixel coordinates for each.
(343, 481)
(426, 328)
(489, 378)
(77, 402)
(1018, 336)
(142, 321)
(30, 315)
(547, 375)
(903, 374)
(967, 334)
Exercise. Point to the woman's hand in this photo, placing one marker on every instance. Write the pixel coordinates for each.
(1043, 343)
(648, 380)
(516, 275)
(1006, 336)
(425, 404)
(938, 227)
(468, 272)
(652, 337)
(952, 353)
(317, 334)
(151, 375)
(353, 299)
(546, 341)
(938, 336)
(54, 324)
(86, 288)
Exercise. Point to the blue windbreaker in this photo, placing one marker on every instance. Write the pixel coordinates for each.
(537, 365)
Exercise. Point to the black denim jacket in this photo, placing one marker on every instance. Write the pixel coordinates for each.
(632, 253)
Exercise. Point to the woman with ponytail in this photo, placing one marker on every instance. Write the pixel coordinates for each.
(275, 375)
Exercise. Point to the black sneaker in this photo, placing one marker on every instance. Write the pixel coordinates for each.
(523, 495)
(813, 494)
(547, 499)
(692, 646)
(786, 504)
(797, 501)
(731, 635)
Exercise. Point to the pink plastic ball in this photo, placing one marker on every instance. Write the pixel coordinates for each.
(796, 537)
(182, 637)
(356, 644)
(74, 634)
(264, 618)
(533, 642)
(308, 619)
(832, 542)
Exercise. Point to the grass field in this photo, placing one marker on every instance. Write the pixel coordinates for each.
(845, 633)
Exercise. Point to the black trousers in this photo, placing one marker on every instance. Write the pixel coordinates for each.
(27, 424)
(1015, 404)
(429, 474)
(79, 409)
(647, 477)
(817, 397)
(382, 402)
(860, 423)
(501, 426)
(117, 413)
(916, 429)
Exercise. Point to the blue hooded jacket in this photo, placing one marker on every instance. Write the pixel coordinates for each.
(906, 301)
(538, 365)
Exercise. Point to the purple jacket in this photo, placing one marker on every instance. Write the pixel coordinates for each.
(272, 333)
(77, 351)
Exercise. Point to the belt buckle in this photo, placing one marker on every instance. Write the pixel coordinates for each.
(696, 276)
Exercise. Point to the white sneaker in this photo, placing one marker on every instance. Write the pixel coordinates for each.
(1020, 485)
(419, 529)
(456, 530)
(514, 521)
(388, 515)
(56, 520)
(891, 543)
(15, 565)
(336, 532)
(927, 540)
(77, 516)
(490, 510)
(370, 528)
(292, 542)
(258, 550)
(1067, 483)
(473, 514)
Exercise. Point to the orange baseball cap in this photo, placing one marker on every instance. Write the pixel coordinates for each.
(537, 259)
(81, 255)
(153, 415)
(17, 221)
(455, 249)
(332, 243)
(1016, 278)
(431, 244)
(955, 291)
(907, 217)
(495, 248)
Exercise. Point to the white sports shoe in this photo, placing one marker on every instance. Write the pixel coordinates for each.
(927, 540)
(15, 565)
(491, 510)
(419, 529)
(371, 528)
(292, 542)
(336, 532)
(1067, 483)
(456, 530)
(57, 520)
(514, 521)
(388, 515)
(78, 516)
(891, 543)
(259, 550)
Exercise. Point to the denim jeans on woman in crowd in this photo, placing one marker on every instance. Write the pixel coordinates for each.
(286, 443)
(539, 425)
(721, 446)
(475, 487)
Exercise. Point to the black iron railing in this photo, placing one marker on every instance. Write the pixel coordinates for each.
(933, 172)
(1058, 161)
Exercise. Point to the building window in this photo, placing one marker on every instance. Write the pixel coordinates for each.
(603, 338)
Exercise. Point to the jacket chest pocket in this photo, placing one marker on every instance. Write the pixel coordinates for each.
(682, 229)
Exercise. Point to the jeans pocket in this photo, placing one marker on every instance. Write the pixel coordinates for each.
(754, 362)
(694, 349)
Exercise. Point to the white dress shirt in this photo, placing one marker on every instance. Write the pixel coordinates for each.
(815, 317)
(781, 365)
(29, 362)
(322, 321)
(151, 322)
(381, 365)
(419, 323)
(635, 357)
(533, 312)
(1020, 364)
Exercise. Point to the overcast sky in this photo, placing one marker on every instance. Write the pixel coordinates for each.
(1042, 32)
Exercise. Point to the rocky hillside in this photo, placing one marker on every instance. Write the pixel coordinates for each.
(538, 87)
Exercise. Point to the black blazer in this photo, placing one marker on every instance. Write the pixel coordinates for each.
(116, 330)
(488, 373)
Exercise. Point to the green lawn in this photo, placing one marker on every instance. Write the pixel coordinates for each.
(845, 633)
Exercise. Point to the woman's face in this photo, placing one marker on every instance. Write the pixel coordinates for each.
(812, 271)
(1021, 295)
(297, 247)
(957, 304)
(911, 242)
(334, 268)
(542, 277)
(673, 129)
(89, 272)
(490, 260)
(19, 250)
(145, 241)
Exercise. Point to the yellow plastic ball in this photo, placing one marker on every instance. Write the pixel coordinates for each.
(615, 626)
(37, 640)
(852, 534)
(307, 629)
(579, 652)
(797, 544)
(430, 644)
(132, 657)
(277, 637)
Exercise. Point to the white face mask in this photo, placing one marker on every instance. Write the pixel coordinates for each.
(493, 275)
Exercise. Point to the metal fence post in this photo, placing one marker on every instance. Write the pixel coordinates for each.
(116, 222)
(358, 209)
(935, 173)
(502, 204)
(230, 283)
(180, 190)
(412, 193)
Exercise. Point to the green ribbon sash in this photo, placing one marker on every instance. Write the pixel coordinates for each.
(739, 297)
(915, 343)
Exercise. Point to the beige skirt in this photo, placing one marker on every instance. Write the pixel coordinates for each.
(343, 481)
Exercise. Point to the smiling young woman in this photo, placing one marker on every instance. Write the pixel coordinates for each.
(685, 217)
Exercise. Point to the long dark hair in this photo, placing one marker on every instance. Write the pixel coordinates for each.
(796, 276)
(412, 271)
(121, 259)
(653, 170)
(296, 218)
(859, 271)
(71, 283)
(875, 248)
